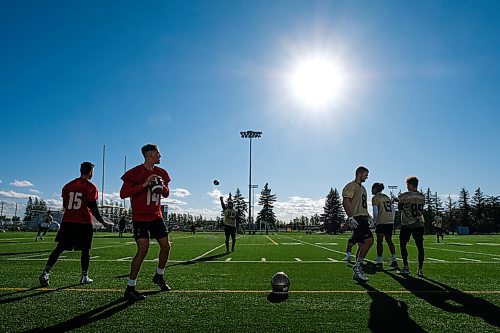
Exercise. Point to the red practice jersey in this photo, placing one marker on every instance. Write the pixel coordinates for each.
(146, 205)
(76, 195)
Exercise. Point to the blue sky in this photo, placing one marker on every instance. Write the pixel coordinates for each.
(419, 96)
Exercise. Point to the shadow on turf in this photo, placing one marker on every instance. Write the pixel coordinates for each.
(388, 314)
(30, 252)
(204, 259)
(23, 297)
(449, 299)
(277, 298)
(83, 319)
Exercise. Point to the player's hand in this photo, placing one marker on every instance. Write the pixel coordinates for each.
(352, 222)
(371, 222)
(148, 180)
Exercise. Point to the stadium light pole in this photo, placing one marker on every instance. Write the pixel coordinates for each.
(250, 135)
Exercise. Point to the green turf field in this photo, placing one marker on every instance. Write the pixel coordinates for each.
(215, 292)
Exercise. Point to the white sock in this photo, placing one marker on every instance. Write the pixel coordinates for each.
(379, 260)
(131, 283)
(348, 254)
(359, 261)
(160, 270)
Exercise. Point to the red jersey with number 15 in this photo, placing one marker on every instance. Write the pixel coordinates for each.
(146, 205)
(76, 195)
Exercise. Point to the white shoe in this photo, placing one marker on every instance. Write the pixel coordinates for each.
(86, 280)
(359, 274)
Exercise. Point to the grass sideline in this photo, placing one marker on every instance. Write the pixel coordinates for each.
(216, 292)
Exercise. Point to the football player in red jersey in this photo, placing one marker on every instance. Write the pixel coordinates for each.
(147, 216)
(79, 202)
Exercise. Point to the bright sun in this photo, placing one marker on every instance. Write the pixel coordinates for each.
(316, 82)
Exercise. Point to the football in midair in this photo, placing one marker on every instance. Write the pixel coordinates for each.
(216, 182)
(156, 185)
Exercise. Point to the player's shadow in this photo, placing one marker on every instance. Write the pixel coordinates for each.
(83, 319)
(27, 252)
(203, 259)
(450, 299)
(388, 314)
(31, 295)
(277, 298)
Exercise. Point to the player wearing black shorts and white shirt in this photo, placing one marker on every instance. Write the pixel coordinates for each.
(438, 227)
(356, 207)
(44, 226)
(230, 216)
(411, 205)
(383, 215)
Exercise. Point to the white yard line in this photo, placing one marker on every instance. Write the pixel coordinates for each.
(271, 240)
(263, 259)
(434, 259)
(298, 259)
(315, 245)
(468, 259)
(228, 259)
(332, 260)
(457, 251)
(212, 250)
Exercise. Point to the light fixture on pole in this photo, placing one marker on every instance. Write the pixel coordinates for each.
(250, 135)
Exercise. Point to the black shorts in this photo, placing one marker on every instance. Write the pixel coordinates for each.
(405, 233)
(75, 236)
(385, 229)
(229, 230)
(438, 231)
(362, 232)
(150, 229)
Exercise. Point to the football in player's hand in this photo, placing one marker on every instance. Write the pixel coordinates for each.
(156, 185)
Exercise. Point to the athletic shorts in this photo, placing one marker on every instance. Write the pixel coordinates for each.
(230, 230)
(150, 229)
(385, 229)
(405, 233)
(362, 232)
(75, 236)
(438, 231)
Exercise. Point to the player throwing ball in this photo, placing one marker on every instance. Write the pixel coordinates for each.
(145, 185)
(356, 207)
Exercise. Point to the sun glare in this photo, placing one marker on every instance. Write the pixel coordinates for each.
(316, 82)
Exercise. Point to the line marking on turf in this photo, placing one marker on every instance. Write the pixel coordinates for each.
(263, 259)
(321, 247)
(124, 259)
(94, 257)
(434, 259)
(457, 251)
(223, 291)
(228, 259)
(468, 259)
(271, 240)
(212, 250)
(495, 258)
(298, 259)
(461, 244)
(489, 244)
(332, 260)
(326, 243)
(291, 244)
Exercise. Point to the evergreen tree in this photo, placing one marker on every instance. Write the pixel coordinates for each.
(241, 207)
(478, 208)
(267, 200)
(450, 218)
(333, 212)
(29, 208)
(464, 206)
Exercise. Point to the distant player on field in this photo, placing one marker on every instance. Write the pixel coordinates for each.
(229, 221)
(121, 226)
(383, 215)
(411, 205)
(356, 207)
(44, 226)
(79, 202)
(438, 227)
(147, 217)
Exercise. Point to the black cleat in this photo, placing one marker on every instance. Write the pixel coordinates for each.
(379, 266)
(159, 280)
(133, 295)
(394, 264)
(44, 280)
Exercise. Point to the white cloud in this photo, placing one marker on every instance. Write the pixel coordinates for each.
(296, 206)
(21, 183)
(16, 195)
(0, 181)
(32, 190)
(54, 203)
(111, 197)
(180, 192)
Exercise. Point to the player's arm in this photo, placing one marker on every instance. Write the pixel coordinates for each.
(129, 188)
(375, 212)
(95, 211)
(346, 202)
(223, 205)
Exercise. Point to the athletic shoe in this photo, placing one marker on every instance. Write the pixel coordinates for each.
(394, 264)
(159, 280)
(133, 295)
(359, 275)
(44, 279)
(405, 271)
(379, 266)
(41, 238)
(420, 273)
(86, 280)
